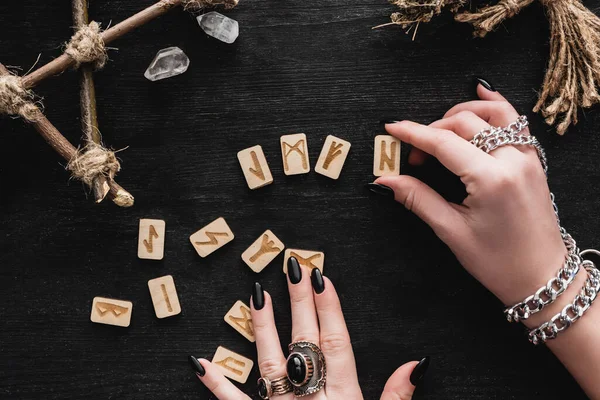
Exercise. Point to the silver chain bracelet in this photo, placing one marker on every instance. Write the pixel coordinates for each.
(490, 139)
(554, 288)
(572, 312)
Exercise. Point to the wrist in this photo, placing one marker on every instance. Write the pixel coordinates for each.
(537, 269)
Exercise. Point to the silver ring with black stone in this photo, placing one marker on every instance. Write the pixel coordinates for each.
(268, 388)
(306, 368)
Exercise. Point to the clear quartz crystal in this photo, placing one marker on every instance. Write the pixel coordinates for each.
(219, 26)
(168, 62)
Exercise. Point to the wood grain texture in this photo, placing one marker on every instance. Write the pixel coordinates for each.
(298, 66)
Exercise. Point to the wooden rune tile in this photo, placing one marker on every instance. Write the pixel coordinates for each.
(333, 156)
(307, 258)
(164, 296)
(111, 311)
(294, 152)
(212, 237)
(232, 365)
(255, 168)
(151, 239)
(240, 319)
(386, 160)
(262, 251)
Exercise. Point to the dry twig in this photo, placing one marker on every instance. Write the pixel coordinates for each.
(87, 98)
(64, 148)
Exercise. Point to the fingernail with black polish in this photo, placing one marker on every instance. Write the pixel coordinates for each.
(417, 375)
(318, 284)
(389, 120)
(381, 190)
(258, 296)
(294, 271)
(196, 366)
(485, 84)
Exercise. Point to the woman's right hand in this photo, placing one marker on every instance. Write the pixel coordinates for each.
(505, 232)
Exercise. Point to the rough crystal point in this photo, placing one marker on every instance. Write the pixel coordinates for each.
(219, 26)
(168, 62)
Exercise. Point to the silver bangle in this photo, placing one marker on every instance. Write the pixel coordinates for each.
(572, 312)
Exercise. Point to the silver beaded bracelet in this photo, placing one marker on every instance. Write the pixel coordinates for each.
(489, 139)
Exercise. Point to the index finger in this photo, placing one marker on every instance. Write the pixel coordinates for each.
(454, 152)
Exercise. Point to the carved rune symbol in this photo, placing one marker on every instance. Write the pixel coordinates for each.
(166, 297)
(385, 160)
(267, 246)
(148, 243)
(212, 236)
(257, 170)
(307, 262)
(223, 363)
(334, 151)
(300, 148)
(245, 322)
(116, 310)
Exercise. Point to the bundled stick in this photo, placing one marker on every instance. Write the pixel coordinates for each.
(94, 165)
(488, 18)
(573, 74)
(413, 12)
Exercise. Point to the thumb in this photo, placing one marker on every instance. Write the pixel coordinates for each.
(402, 383)
(425, 202)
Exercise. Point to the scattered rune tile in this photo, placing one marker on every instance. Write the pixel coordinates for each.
(294, 152)
(151, 239)
(307, 258)
(164, 296)
(232, 365)
(240, 319)
(333, 156)
(168, 62)
(111, 311)
(255, 168)
(262, 251)
(212, 237)
(386, 159)
(219, 26)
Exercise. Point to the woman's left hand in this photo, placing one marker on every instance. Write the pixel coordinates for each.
(317, 318)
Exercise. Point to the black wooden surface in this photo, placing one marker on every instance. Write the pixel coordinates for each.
(298, 66)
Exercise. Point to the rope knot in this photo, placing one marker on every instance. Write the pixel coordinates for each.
(511, 7)
(93, 160)
(15, 99)
(87, 46)
(196, 5)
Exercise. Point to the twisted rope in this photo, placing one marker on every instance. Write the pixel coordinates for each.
(87, 46)
(197, 5)
(92, 161)
(488, 18)
(16, 100)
